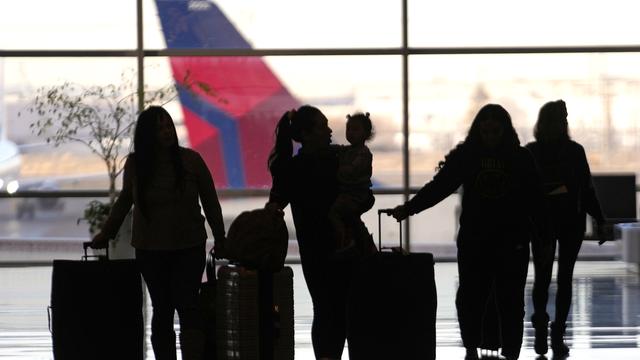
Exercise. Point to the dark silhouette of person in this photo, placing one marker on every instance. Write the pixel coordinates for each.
(165, 183)
(569, 196)
(308, 183)
(501, 204)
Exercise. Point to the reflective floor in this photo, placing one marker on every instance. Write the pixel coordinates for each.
(604, 322)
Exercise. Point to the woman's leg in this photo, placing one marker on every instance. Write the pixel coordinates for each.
(475, 273)
(313, 276)
(569, 243)
(568, 248)
(186, 278)
(155, 269)
(543, 257)
(510, 283)
(328, 285)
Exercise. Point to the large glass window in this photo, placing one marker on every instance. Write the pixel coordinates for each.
(342, 56)
(230, 107)
(274, 24)
(601, 92)
(25, 78)
(67, 24)
(464, 23)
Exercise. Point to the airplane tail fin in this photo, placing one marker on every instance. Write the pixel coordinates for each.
(230, 120)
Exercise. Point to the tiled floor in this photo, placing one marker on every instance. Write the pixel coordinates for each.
(604, 323)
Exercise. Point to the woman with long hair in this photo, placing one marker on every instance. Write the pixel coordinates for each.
(569, 196)
(501, 202)
(308, 182)
(165, 183)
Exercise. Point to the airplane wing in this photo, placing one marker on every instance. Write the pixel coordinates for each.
(233, 127)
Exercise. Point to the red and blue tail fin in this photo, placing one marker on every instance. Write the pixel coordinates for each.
(232, 125)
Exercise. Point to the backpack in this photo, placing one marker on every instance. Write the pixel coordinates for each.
(258, 239)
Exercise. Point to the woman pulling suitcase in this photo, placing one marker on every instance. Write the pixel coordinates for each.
(501, 200)
(165, 183)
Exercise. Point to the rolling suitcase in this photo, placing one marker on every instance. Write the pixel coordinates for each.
(391, 311)
(96, 309)
(254, 314)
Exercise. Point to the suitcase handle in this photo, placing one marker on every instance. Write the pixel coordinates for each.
(387, 212)
(49, 318)
(210, 267)
(85, 257)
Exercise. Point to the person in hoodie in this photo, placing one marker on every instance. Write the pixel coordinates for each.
(569, 195)
(501, 204)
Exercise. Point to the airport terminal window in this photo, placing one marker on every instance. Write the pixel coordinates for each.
(273, 24)
(257, 90)
(22, 77)
(601, 92)
(468, 23)
(344, 57)
(67, 24)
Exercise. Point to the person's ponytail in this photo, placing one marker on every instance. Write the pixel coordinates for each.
(283, 148)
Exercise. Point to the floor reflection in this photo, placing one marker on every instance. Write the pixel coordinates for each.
(604, 320)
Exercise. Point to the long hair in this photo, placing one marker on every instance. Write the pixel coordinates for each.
(473, 141)
(552, 125)
(290, 128)
(145, 144)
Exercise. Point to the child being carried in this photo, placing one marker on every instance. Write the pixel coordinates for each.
(354, 179)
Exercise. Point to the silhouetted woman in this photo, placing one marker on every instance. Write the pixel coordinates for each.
(164, 182)
(501, 198)
(569, 195)
(308, 182)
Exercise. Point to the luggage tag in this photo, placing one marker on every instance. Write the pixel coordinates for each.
(394, 249)
(86, 257)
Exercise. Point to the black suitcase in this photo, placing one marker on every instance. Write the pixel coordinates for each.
(96, 309)
(254, 314)
(391, 311)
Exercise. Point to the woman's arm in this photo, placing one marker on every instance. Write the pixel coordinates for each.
(280, 193)
(444, 183)
(120, 208)
(209, 200)
(588, 196)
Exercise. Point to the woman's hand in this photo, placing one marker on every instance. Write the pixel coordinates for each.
(275, 207)
(219, 250)
(602, 231)
(99, 241)
(400, 212)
